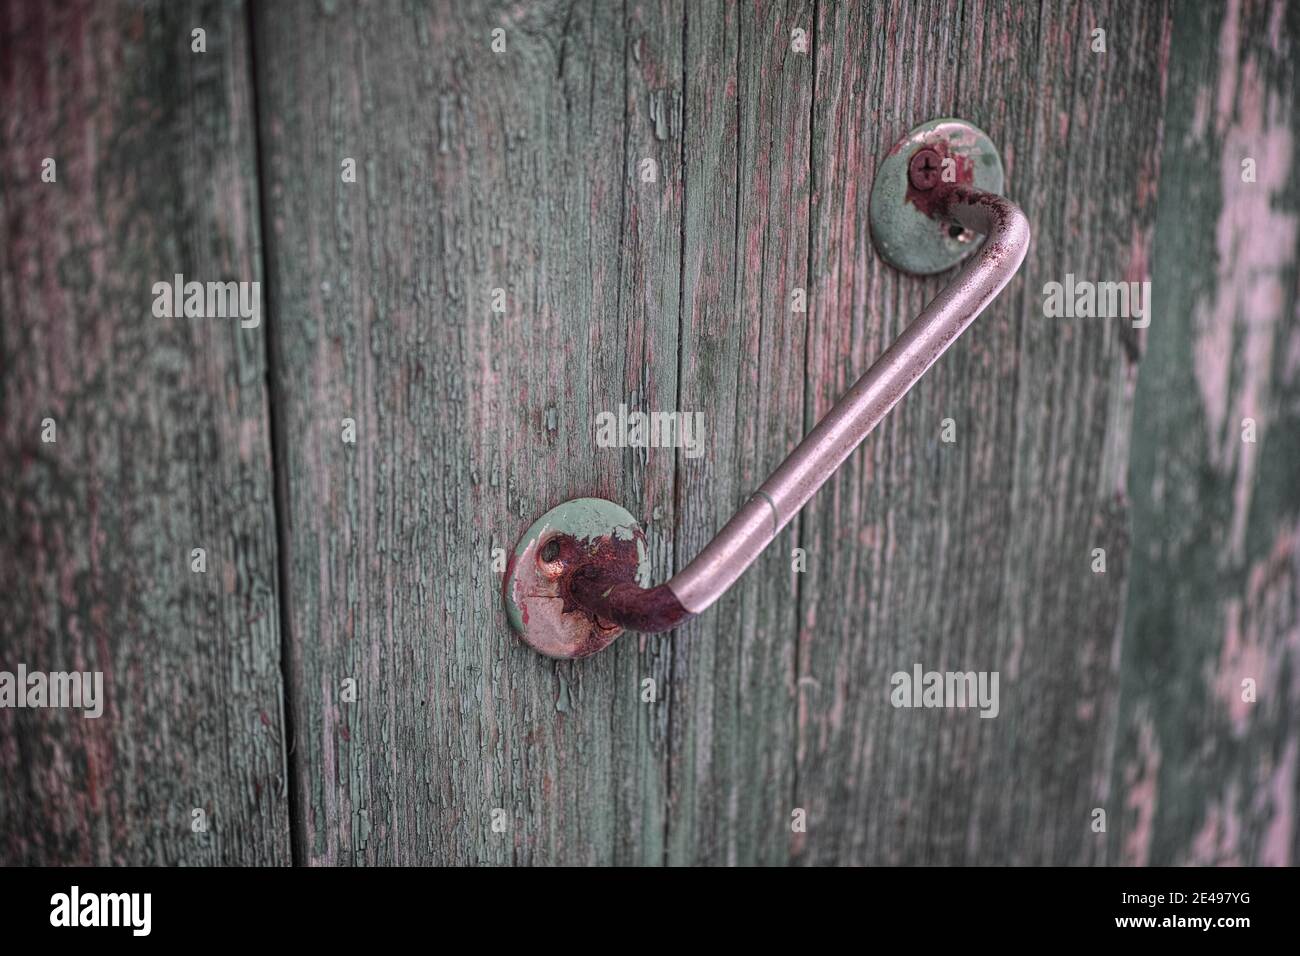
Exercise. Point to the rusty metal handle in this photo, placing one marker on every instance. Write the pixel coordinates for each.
(768, 510)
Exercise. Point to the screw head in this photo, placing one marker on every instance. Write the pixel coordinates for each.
(924, 169)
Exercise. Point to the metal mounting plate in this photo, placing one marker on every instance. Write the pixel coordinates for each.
(533, 590)
(904, 235)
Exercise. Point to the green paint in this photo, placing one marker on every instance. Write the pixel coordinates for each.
(904, 236)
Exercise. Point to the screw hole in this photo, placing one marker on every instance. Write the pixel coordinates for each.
(955, 231)
(550, 550)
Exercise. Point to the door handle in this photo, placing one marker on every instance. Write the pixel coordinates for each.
(578, 576)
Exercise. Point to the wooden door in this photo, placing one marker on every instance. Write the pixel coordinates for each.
(478, 225)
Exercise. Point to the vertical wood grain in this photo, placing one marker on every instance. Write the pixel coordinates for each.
(477, 170)
(748, 113)
(162, 443)
(975, 555)
(1203, 775)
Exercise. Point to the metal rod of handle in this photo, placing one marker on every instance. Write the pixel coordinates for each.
(833, 439)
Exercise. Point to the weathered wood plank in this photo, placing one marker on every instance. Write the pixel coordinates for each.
(748, 112)
(1203, 776)
(476, 171)
(974, 555)
(648, 365)
(162, 443)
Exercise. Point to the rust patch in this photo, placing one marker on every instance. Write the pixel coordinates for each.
(535, 581)
(576, 595)
(600, 580)
(934, 202)
(648, 610)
